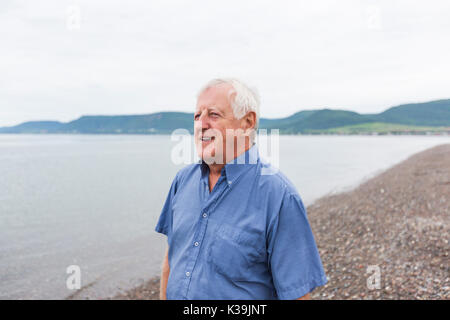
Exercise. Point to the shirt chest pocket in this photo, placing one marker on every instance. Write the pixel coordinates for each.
(235, 252)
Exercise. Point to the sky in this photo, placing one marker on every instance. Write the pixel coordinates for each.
(60, 59)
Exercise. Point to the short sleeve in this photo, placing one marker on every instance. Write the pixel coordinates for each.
(293, 255)
(164, 224)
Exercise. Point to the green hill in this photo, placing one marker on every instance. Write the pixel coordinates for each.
(379, 128)
(417, 117)
(324, 119)
(161, 122)
(285, 122)
(34, 127)
(434, 113)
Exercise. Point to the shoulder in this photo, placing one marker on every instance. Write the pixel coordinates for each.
(276, 191)
(187, 172)
(182, 176)
(281, 198)
(274, 181)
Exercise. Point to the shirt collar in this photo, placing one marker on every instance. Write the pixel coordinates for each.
(235, 167)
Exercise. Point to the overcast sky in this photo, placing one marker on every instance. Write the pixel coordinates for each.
(63, 59)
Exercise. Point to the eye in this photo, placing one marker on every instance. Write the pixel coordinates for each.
(213, 114)
(196, 116)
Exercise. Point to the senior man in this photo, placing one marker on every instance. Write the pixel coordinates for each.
(236, 228)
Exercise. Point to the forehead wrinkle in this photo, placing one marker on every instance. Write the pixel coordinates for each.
(209, 108)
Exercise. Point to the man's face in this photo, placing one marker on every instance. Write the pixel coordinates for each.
(212, 117)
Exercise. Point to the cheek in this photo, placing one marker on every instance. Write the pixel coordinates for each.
(197, 125)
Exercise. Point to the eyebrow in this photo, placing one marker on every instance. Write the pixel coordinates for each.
(209, 109)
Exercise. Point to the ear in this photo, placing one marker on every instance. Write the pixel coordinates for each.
(249, 120)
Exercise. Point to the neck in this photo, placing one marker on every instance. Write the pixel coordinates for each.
(215, 169)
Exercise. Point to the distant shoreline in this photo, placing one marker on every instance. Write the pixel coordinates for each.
(399, 221)
(413, 118)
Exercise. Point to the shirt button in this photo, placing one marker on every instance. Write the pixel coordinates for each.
(204, 215)
(196, 244)
(187, 274)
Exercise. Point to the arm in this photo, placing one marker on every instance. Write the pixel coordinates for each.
(292, 252)
(164, 276)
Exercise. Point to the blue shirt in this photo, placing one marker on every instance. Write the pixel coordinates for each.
(247, 239)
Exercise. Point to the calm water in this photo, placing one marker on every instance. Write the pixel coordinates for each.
(93, 201)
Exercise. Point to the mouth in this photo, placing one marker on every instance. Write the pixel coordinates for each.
(206, 139)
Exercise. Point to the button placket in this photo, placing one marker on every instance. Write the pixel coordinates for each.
(210, 202)
(202, 223)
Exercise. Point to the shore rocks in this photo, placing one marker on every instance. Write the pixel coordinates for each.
(399, 222)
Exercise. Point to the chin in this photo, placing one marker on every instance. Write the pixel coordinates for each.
(205, 154)
(210, 157)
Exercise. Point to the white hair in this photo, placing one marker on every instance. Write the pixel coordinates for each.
(246, 99)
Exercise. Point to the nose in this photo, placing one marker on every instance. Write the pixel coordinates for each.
(202, 123)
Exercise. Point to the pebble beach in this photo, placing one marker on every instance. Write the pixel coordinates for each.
(395, 225)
